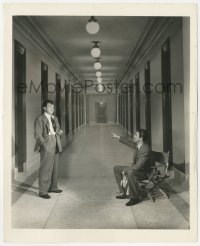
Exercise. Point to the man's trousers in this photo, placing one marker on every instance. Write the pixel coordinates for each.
(133, 177)
(48, 166)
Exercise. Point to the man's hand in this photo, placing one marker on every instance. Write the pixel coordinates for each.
(125, 171)
(60, 132)
(115, 136)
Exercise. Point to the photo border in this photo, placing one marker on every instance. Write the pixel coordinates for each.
(100, 235)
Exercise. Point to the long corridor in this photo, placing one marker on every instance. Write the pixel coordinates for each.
(89, 189)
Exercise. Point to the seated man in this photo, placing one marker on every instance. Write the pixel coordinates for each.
(140, 166)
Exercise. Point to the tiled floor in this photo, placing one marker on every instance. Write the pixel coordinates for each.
(89, 190)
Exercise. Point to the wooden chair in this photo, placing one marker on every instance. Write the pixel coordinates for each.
(158, 174)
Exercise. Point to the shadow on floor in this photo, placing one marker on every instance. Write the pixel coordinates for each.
(20, 188)
(174, 191)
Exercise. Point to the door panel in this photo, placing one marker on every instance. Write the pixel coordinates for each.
(67, 92)
(137, 88)
(44, 83)
(101, 112)
(20, 105)
(166, 98)
(131, 109)
(147, 100)
(58, 98)
(73, 108)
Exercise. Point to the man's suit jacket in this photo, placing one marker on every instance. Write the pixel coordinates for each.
(142, 159)
(41, 132)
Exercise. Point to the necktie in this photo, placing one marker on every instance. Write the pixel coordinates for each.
(53, 124)
(135, 155)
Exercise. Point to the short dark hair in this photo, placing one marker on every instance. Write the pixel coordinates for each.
(46, 102)
(143, 134)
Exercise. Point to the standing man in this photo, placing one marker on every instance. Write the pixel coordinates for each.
(47, 134)
(140, 166)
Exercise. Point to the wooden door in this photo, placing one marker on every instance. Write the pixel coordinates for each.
(101, 112)
(20, 105)
(166, 98)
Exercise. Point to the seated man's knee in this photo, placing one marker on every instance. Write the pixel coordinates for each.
(131, 172)
(115, 168)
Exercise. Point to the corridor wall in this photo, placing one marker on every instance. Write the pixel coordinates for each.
(174, 31)
(34, 56)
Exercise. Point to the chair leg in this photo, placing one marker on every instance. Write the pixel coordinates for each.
(164, 194)
(151, 197)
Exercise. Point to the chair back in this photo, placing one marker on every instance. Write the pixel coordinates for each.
(157, 157)
(161, 158)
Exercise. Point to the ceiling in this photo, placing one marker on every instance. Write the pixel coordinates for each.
(118, 36)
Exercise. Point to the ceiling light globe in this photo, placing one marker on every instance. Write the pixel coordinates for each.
(95, 52)
(99, 80)
(98, 73)
(97, 65)
(92, 27)
(100, 88)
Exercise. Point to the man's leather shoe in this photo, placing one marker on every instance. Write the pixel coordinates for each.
(45, 196)
(123, 196)
(55, 191)
(132, 202)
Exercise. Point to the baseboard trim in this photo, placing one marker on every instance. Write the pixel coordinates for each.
(101, 124)
(180, 176)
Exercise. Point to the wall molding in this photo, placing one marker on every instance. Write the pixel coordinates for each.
(36, 34)
(100, 94)
(153, 30)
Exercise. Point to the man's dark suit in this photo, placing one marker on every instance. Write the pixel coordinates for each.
(49, 147)
(139, 169)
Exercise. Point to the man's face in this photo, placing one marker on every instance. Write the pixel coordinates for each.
(49, 109)
(136, 137)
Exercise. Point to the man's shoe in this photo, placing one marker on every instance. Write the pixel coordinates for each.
(123, 196)
(45, 196)
(55, 191)
(132, 202)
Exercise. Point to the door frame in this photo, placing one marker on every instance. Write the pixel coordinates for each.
(20, 106)
(96, 112)
(166, 98)
(147, 99)
(137, 96)
(44, 84)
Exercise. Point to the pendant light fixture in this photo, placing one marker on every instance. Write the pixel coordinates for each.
(97, 64)
(101, 101)
(100, 88)
(95, 51)
(99, 80)
(92, 26)
(98, 73)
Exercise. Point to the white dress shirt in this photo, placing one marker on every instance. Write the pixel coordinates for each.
(139, 146)
(51, 130)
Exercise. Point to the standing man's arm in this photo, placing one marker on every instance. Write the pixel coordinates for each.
(38, 131)
(58, 130)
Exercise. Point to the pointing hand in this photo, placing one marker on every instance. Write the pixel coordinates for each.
(115, 135)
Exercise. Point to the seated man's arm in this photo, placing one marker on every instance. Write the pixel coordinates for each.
(124, 140)
(127, 141)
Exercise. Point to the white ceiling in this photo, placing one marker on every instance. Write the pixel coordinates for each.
(118, 36)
